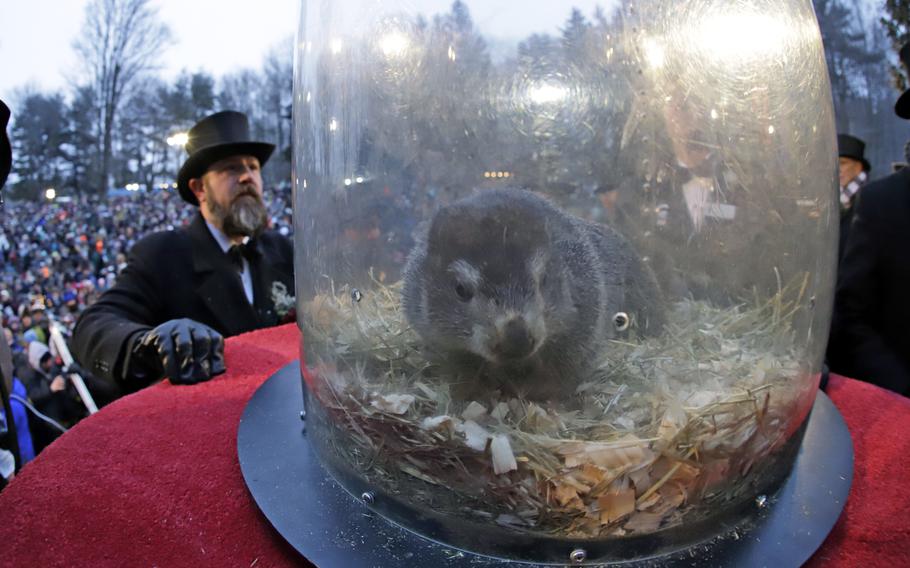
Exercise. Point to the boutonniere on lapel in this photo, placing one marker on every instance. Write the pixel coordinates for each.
(285, 304)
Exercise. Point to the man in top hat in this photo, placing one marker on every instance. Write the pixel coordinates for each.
(854, 173)
(183, 291)
(870, 333)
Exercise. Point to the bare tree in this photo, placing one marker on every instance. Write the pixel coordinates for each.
(265, 95)
(38, 134)
(120, 41)
(278, 90)
(897, 25)
(846, 52)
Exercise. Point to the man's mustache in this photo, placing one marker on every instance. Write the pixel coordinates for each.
(247, 190)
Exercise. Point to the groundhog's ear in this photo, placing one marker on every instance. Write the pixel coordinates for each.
(450, 229)
(438, 228)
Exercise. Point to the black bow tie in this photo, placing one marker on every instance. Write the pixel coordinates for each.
(246, 250)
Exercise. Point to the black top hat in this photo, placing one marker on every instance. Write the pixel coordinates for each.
(6, 153)
(854, 148)
(215, 137)
(902, 107)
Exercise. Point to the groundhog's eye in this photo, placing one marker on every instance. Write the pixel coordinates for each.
(464, 293)
(621, 321)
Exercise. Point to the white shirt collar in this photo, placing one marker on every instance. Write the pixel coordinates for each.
(223, 240)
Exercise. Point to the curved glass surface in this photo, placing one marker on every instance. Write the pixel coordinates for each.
(563, 273)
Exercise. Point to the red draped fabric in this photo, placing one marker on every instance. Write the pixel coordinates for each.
(153, 479)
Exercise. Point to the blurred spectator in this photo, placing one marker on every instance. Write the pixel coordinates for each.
(51, 393)
(870, 338)
(9, 440)
(854, 173)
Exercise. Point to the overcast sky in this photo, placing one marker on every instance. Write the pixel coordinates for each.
(218, 36)
(36, 37)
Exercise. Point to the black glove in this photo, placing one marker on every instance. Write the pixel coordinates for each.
(184, 350)
(74, 368)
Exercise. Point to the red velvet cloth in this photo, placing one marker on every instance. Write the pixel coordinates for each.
(153, 479)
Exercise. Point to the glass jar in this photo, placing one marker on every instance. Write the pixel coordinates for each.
(563, 274)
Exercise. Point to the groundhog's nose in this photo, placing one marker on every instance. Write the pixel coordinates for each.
(515, 340)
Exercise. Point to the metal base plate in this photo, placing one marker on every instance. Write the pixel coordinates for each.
(330, 527)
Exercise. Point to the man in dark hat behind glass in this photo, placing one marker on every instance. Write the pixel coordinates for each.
(870, 333)
(853, 173)
(183, 291)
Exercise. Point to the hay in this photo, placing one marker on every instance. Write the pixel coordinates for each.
(661, 425)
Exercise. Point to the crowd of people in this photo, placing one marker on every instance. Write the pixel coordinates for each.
(60, 255)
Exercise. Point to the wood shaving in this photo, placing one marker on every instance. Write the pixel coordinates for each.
(662, 423)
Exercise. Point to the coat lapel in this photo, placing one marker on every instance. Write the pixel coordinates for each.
(264, 279)
(218, 283)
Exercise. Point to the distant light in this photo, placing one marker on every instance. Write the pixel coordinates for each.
(654, 53)
(174, 185)
(333, 126)
(347, 181)
(506, 174)
(486, 174)
(451, 53)
(771, 130)
(50, 193)
(547, 93)
(179, 139)
(394, 44)
(714, 114)
(359, 179)
(309, 96)
(740, 34)
(335, 46)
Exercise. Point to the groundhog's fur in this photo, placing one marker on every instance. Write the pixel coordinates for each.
(509, 291)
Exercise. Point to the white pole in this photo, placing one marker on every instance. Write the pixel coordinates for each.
(59, 344)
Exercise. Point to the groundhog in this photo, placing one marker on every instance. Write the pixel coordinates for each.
(508, 291)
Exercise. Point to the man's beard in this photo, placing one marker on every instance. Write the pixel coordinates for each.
(246, 216)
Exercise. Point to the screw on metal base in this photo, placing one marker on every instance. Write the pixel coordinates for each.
(368, 497)
(578, 556)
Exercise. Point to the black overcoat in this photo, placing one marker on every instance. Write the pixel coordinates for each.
(870, 336)
(182, 274)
